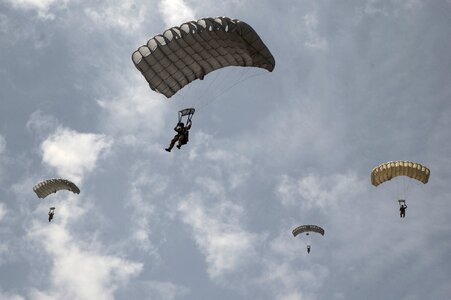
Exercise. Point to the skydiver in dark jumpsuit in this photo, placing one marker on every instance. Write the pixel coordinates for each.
(51, 213)
(402, 210)
(182, 135)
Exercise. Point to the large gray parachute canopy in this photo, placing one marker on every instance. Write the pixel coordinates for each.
(180, 55)
(49, 186)
(308, 228)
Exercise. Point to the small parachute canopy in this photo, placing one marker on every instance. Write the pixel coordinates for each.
(392, 169)
(180, 55)
(308, 228)
(186, 112)
(49, 186)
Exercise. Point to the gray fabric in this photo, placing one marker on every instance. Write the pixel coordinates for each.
(307, 228)
(183, 54)
(187, 111)
(47, 187)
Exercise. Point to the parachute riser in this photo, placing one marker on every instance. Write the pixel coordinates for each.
(189, 112)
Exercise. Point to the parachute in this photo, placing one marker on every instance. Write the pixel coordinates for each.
(389, 170)
(49, 186)
(401, 185)
(307, 229)
(180, 55)
(189, 112)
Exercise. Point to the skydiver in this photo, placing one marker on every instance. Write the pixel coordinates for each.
(402, 210)
(182, 135)
(51, 213)
(308, 248)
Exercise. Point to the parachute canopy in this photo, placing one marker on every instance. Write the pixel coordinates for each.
(186, 112)
(180, 55)
(389, 170)
(308, 228)
(49, 186)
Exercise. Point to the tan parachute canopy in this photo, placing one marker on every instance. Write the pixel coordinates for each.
(307, 228)
(49, 186)
(180, 55)
(389, 170)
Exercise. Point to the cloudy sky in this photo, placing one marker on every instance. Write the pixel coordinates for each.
(356, 83)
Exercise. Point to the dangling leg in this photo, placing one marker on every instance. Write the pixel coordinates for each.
(181, 141)
(171, 145)
(402, 213)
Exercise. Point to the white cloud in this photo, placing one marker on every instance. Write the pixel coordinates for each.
(41, 123)
(33, 4)
(282, 279)
(143, 188)
(4, 158)
(136, 112)
(4, 243)
(293, 295)
(299, 133)
(411, 4)
(78, 271)
(165, 290)
(2, 144)
(285, 246)
(124, 14)
(10, 296)
(211, 186)
(228, 162)
(175, 12)
(283, 267)
(73, 153)
(386, 8)
(313, 191)
(218, 234)
(14, 31)
(282, 274)
(376, 7)
(4, 23)
(41, 6)
(2, 210)
(314, 40)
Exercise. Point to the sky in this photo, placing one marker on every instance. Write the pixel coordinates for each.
(356, 83)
